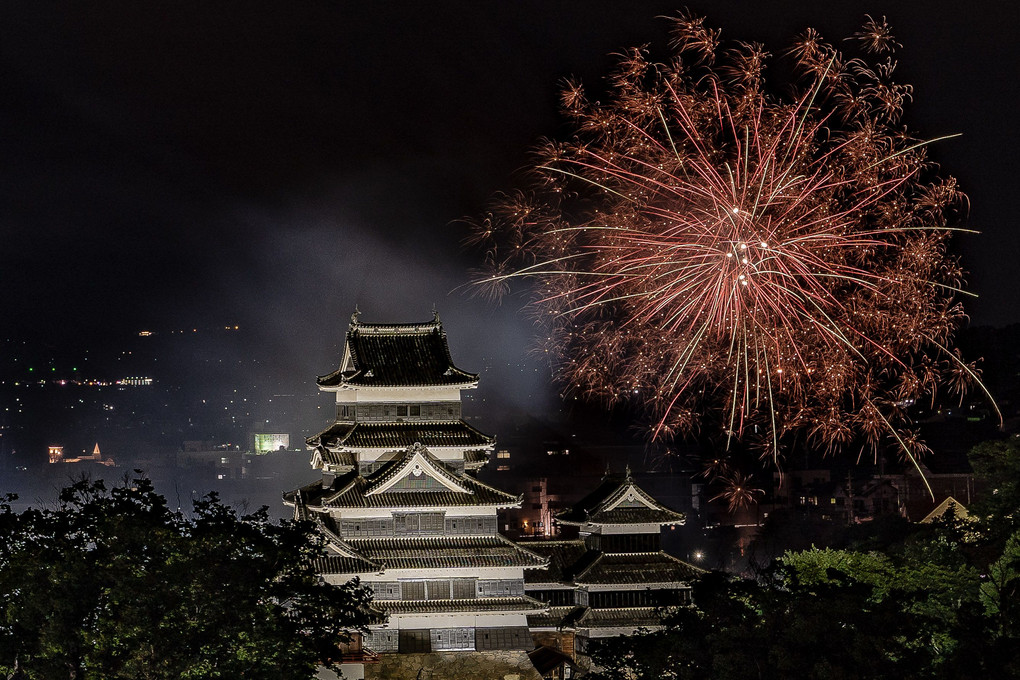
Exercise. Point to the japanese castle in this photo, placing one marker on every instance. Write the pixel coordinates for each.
(615, 578)
(400, 508)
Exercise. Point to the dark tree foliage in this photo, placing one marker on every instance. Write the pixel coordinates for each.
(776, 628)
(112, 584)
(940, 600)
(998, 464)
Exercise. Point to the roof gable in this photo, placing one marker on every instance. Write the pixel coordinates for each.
(950, 504)
(419, 470)
(617, 501)
(629, 496)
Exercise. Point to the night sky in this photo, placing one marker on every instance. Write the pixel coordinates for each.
(171, 165)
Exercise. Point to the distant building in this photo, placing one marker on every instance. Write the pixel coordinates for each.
(56, 455)
(399, 509)
(211, 460)
(614, 578)
(265, 442)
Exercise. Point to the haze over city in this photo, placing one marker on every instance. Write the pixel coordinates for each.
(236, 181)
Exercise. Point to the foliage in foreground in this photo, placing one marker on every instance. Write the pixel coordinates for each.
(112, 584)
(941, 602)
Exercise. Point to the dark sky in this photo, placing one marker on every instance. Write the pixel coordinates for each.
(272, 164)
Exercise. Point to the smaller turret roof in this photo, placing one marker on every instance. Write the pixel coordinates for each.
(619, 500)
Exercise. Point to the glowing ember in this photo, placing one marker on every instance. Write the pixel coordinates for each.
(742, 263)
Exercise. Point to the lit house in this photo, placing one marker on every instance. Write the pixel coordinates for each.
(400, 509)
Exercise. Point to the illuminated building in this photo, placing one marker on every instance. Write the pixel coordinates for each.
(264, 443)
(614, 578)
(399, 509)
(56, 454)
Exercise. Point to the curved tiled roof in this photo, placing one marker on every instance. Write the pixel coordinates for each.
(519, 603)
(392, 435)
(629, 617)
(445, 552)
(398, 355)
(642, 568)
(352, 495)
(344, 564)
(562, 556)
(475, 458)
(344, 459)
(609, 504)
(553, 618)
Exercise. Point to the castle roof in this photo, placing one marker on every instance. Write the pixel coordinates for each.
(372, 555)
(445, 552)
(415, 479)
(642, 568)
(393, 435)
(396, 355)
(629, 617)
(580, 616)
(562, 556)
(553, 618)
(345, 564)
(619, 501)
(518, 603)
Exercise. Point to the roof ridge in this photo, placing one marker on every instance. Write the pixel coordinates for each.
(434, 538)
(680, 561)
(341, 490)
(397, 327)
(545, 560)
(578, 576)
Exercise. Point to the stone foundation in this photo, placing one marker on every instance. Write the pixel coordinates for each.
(490, 665)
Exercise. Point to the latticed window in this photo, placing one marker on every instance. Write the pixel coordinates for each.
(437, 590)
(417, 523)
(415, 641)
(366, 527)
(453, 638)
(413, 590)
(502, 638)
(464, 589)
(381, 640)
(484, 525)
(501, 587)
(386, 590)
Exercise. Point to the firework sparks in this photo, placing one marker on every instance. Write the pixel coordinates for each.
(738, 492)
(743, 263)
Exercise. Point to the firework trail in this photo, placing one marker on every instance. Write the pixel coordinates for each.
(743, 264)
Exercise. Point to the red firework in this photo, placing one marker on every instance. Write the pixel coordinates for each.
(740, 262)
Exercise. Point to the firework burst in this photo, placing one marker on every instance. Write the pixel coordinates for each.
(742, 263)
